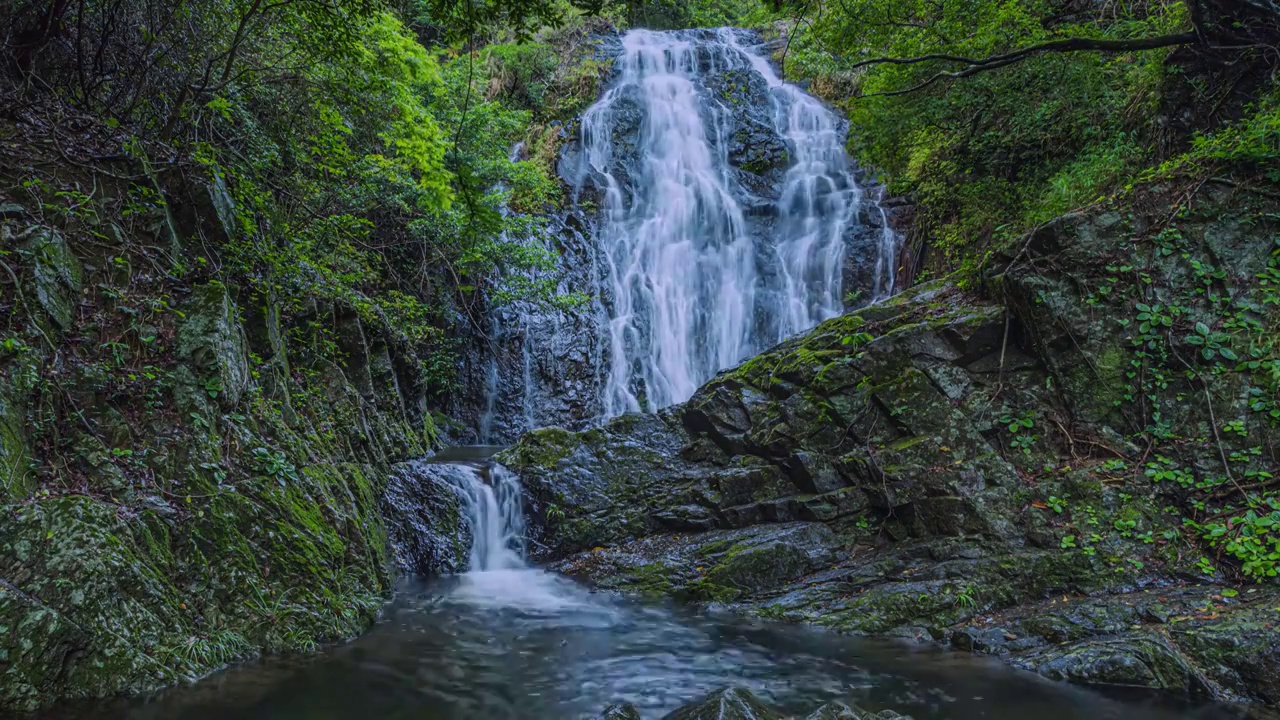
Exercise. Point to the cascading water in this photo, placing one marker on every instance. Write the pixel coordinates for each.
(714, 214)
(494, 514)
(677, 254)
(700, 269)
(819, 199)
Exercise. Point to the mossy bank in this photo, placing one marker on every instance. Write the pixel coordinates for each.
(192, 475)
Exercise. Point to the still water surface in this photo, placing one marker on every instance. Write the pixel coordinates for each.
(522, 644)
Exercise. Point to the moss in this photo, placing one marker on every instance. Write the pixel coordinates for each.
(212, 563)
(704, 590)
(545, 448)
(650, 579)
(15, 479)
(715, 547)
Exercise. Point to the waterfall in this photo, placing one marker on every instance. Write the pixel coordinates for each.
(692, 284)
(714, 213)
(818, 201)
(494, 514)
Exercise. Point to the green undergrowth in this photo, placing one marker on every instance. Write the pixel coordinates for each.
(990, 155)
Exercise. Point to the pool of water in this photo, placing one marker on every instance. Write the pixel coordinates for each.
(524, 644)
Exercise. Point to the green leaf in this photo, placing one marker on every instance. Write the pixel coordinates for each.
(1202, 328)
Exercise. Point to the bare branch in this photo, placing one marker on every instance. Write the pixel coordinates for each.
(999, 61)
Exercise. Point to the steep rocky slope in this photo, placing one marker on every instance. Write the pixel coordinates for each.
(1069, 467)
(187, 479)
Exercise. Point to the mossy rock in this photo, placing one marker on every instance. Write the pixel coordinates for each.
(211, 343)
(56, 277)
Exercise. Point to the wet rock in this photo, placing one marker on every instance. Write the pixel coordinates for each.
(625, 711)
(1135, 660)
(840, 711)
(12, 210)
(727, 704)
(56, 275)
(424, 520)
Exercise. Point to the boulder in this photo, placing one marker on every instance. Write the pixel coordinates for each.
(840, 711)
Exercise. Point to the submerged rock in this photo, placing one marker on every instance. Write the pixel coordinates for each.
(840, 711)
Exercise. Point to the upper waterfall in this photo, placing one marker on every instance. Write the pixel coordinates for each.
(702, 267)
(713, 213)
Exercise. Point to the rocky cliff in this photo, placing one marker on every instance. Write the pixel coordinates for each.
(1069, 467)
(192, 474)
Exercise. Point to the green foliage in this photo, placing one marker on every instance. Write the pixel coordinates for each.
(275, 464)
(1248, 536)
(672, 14)
(1253, 141)
(989, 155)
(1211, 344)
(1020, 427)
(995, 152)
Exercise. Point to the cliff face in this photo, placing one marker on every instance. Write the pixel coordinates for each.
(191, 474)
(1069, 468)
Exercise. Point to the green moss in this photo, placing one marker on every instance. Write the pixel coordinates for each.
(715, 547)
(546, 447)
(651, 579)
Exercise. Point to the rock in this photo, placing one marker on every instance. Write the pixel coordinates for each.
(56, 276)
(943, 466)
(14, 456)
(840, 711)
(211, 343)
(625, 711)
(772, 558)
(194, 527)
(741, 704)
(224, 206)
(424, 519)
(726, 704)
(1133, 660)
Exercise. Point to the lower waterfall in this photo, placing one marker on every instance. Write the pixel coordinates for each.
(494, 513)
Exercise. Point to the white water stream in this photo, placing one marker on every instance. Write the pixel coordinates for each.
(691, 290)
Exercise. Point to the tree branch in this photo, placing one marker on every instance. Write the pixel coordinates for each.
(999, 61)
